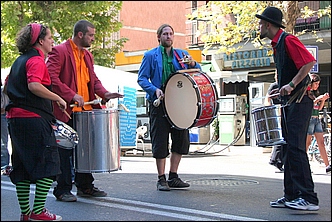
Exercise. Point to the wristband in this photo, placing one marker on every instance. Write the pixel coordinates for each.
(291, 84)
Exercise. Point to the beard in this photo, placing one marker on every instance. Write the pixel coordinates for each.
(262, 35)
(167, 44)
(85, 43)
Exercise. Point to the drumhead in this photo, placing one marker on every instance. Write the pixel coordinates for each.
(181, 101)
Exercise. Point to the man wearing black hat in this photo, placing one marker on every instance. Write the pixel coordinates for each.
(293, 62)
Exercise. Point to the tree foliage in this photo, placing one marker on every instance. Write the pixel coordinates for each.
(61, 16)
(222, 25)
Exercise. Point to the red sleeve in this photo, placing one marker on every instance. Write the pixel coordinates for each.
(298, 52)
(55, 63)
(37, 71)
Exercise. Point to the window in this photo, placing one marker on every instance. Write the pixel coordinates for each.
(193, 5)
(194, 29)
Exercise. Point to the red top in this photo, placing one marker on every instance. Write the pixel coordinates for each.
(295, 49)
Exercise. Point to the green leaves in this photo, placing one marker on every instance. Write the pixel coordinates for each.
(61, 16)
(223, 25)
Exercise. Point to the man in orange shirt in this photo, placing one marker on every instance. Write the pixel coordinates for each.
(71, 69)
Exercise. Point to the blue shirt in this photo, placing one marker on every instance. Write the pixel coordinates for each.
(151, 70)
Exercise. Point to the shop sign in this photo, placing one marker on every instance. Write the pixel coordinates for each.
(248, 59)
(314, 52)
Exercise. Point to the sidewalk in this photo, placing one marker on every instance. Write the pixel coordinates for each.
(237, 160)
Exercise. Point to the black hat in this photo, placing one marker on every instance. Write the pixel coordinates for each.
(272, 15)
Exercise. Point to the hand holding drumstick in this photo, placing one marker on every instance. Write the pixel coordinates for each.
(274, 93)
(187, 59)
(160, 96)
(156, 103)
(63, 108)
(94, 102)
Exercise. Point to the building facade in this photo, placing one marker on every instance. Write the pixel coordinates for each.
(234, 75)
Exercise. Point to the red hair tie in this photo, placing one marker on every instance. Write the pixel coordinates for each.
(35, 30)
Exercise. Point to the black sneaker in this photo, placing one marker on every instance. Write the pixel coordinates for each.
(279, 203)
(92, 192)
(279, 166)
(272, 162)
(177, 183)
(301, 204)
(162, 185)
(67, 197)
(328, 169)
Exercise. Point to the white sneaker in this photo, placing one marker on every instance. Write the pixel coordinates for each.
(279, 203)
(301, 204)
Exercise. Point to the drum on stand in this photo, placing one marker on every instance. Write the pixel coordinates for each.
(190, 99)
(99, 149)
(267, 125)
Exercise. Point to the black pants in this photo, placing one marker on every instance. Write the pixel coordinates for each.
(64, 180)
(4, 141)
(276, 156)
(160, 128)
(297, 175)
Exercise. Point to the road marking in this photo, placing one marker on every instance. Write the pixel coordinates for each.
(145, 207)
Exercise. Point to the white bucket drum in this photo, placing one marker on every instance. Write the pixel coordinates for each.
(267, 125)
(190, 99)
(99, 149)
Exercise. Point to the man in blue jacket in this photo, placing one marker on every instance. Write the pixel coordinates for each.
(157, 65)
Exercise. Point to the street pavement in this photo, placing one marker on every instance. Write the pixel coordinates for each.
(234, 184)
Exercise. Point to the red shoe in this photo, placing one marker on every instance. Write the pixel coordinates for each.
(25, 217)
(45, 215)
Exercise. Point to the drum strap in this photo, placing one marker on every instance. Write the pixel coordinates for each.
(178, 58)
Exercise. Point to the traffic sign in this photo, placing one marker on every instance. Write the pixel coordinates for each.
(314, 52)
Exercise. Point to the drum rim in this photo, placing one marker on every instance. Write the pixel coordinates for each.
(107, 110)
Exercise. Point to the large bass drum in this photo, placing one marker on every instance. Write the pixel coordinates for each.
(267, 125)
(99, 149)
(191, 99)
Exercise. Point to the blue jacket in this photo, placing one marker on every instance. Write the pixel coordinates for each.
(151, 70)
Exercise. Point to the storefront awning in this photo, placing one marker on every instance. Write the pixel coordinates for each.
(234, 76)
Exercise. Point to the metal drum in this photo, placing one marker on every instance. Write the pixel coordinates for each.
(267, 125)
(66, 137)
(99, 149)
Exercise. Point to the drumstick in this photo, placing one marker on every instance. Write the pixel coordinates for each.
(273, 95)
(67, 114)
(187, 70)
(156, 103)
(124, 107)
(96, 101)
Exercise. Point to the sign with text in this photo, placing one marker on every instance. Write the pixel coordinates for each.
(314, 52)
(248, 59)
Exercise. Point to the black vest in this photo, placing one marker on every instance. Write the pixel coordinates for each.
(285, 66)
(19, 94)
